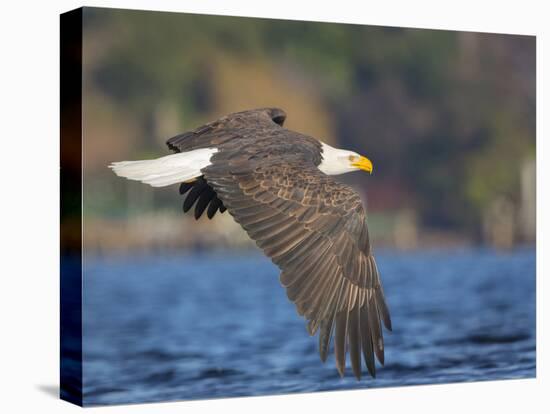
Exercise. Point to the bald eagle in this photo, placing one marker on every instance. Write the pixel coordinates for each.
(277, 185)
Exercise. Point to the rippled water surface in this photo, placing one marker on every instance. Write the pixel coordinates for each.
(173, 327)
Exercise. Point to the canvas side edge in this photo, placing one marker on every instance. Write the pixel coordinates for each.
(71, 373)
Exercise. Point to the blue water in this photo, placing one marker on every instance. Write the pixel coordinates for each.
(180, 327)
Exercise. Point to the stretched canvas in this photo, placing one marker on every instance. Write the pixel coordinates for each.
(338, 207)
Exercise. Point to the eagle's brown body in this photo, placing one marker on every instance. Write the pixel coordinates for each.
(312, 227)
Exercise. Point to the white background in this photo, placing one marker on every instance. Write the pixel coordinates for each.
(29, 203)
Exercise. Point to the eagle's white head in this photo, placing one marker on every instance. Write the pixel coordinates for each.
(339, 161)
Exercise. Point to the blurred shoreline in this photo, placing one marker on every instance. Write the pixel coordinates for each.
(170, 232)
(448, 119)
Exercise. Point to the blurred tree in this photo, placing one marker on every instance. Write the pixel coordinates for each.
(445, 116)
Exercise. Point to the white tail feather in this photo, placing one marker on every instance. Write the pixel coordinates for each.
(171, 169)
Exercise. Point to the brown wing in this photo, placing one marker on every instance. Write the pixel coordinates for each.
(239, 130)
(246, 125)
(314, 229)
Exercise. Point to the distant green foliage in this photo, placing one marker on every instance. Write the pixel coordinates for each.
(447, 117)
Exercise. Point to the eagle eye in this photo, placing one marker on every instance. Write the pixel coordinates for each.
(278, 116)
(279, 120)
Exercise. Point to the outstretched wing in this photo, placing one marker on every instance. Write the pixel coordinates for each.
(240, 129)
(246, 126)
(314, 229)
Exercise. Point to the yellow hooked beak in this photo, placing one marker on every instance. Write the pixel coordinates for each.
(363, 163)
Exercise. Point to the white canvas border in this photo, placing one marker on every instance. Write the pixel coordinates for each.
(29, 47)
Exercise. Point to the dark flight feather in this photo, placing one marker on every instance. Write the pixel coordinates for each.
(205, 198)
(203, 194)
(355, 341)
(194, 194)
(215, 204)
